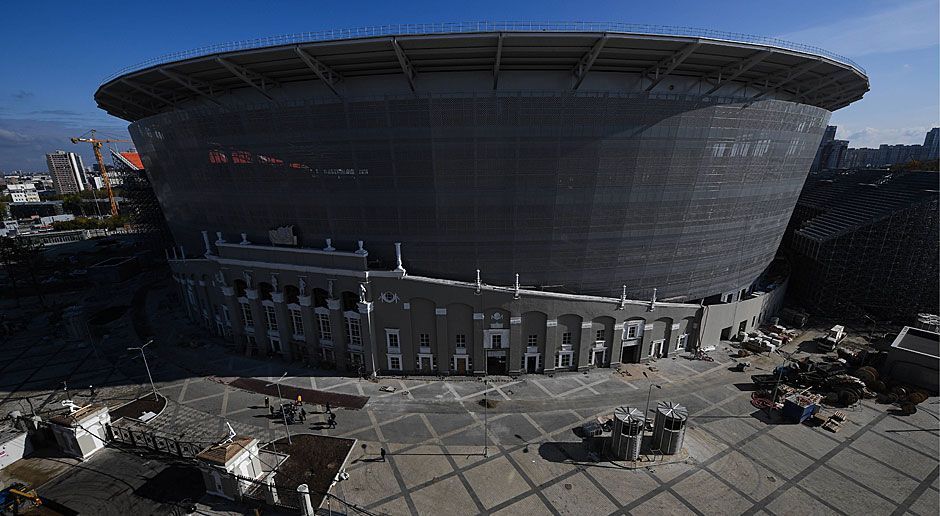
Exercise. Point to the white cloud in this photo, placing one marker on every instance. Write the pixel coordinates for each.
(901, 27)
(871, 137)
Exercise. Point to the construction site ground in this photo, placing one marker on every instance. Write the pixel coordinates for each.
(448, 453)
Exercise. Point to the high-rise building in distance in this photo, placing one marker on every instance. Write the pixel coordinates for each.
(931, 149)
(67, 170)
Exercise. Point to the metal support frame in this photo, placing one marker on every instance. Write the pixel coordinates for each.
(584, 64)
(662, 69)
(149, 91)
(822, 83)
(776, 81)
(253, 79)
(735, 70)
(195, 85)
(120, 98)
(406, 67)
(499, 56)
(326, 74)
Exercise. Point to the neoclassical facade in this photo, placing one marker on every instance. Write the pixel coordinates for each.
(327, 307)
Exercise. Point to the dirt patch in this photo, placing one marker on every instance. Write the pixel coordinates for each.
(314, 460)
(488, 403)
(349, 401)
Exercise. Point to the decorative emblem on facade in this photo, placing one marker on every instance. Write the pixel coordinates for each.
(497, 316)
(389, 297)
(248, 279)
(220, 278)
(283, 235)
(303, 285)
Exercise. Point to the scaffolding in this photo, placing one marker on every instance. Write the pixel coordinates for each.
(143, 209)
(864, 245)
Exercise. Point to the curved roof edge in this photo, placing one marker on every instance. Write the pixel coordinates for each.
(412, 29)
(655, 59)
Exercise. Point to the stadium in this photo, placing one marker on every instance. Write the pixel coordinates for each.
(566, 177)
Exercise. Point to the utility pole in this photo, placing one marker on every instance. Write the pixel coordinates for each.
(648, 397)
(144, 355)
(281, 403)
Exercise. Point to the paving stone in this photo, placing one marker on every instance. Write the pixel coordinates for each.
(372, 482)
(842, 493)
(772, 454)
(662, 504)
(531, 505)
(623, 484)
(582, 497)
(538, 469)
(422, 464)
(447, 496)
(710, 495)
(889, 483)
(746, 475)
(796, 501)
(928, 504)
(496, 481)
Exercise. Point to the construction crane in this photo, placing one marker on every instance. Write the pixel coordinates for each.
(96, 145)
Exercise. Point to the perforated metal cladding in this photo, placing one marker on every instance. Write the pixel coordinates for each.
(588, 192)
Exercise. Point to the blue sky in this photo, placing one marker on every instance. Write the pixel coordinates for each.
(56, 52)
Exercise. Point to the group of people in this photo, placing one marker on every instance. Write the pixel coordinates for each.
(295, 412)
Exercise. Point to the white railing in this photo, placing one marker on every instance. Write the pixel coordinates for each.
(472, 27)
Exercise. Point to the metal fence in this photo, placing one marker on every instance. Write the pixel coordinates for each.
(473, 27)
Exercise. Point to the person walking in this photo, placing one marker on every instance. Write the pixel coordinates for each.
(271, 409)
(382, 453)
(303, 415)
(332, 420)
(267, 402)
(328, 411)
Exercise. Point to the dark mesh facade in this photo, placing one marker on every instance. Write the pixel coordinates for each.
(575, 192)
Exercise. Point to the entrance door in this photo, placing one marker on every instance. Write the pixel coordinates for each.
(531, 364)
(461, 363)
(425, 364)
(496, 365)
(600, 357)
(630, 354)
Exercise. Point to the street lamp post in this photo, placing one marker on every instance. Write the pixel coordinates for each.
(144, 356)
(648, 397)
(281, 403)
(485, 410)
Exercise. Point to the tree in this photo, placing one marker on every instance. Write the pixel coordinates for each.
(19, 256)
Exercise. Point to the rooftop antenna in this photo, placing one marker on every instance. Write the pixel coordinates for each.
(231, 434)
(73, 407)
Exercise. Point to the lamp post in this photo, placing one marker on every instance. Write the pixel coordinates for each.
(280, 402)
(485, 407)
(144, 355)
(648, 397)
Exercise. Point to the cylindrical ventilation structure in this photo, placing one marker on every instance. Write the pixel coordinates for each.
(669, 427)
(627, 436)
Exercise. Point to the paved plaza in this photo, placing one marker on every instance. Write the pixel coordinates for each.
(449, 454)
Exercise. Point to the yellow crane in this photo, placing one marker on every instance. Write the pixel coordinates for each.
(96, 145)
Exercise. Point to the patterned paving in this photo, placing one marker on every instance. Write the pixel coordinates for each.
(739, 463)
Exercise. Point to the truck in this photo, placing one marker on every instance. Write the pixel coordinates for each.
(831, 339)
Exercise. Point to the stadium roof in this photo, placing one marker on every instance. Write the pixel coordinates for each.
(762, 67)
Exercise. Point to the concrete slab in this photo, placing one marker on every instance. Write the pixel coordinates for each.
(495, 481)
(422, 464)
(663, 504)
(531, 505)
(746, 475)
(844, 494)
(873, 475)
(710, 495)
(447, 496)
(578, 495)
